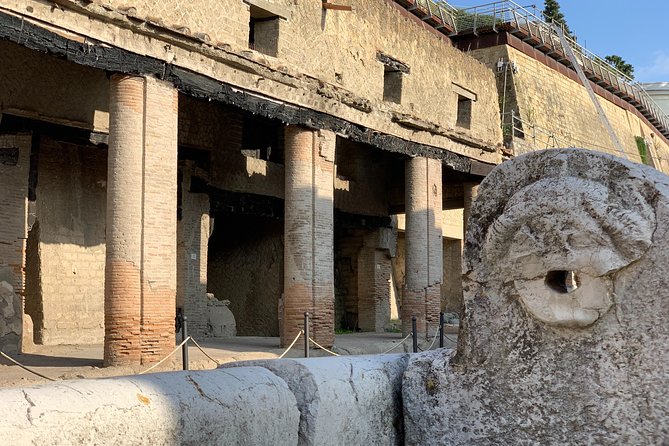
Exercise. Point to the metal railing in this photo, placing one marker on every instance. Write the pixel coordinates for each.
(509, 16)
(435, 10)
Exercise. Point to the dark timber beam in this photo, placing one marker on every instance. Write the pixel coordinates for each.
(97, 55)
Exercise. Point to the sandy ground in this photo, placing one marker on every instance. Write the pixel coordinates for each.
(85, 361)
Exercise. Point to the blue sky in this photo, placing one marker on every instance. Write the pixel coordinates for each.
(637, 31)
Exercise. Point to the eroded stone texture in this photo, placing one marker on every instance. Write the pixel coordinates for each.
(565, 333)
(248, 405)
(345, 400)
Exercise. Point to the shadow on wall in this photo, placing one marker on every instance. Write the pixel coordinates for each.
(246, 268)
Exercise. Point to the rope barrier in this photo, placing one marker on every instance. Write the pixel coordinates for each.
(25, 368)
(323, 348)
(291, 344)
(398, 344)
(165, 358)
(205, 353)
(433, 340)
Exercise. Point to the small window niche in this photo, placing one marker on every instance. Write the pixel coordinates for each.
(393, 75)
(466, 98)
(392, 85)
(264, 29)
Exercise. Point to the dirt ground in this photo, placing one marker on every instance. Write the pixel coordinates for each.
(63, 362)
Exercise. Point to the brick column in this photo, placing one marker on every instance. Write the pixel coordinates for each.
(470, 192)
(140, 268)
(308, 250)
(424, 245)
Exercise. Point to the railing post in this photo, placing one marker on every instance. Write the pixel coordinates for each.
(414, 334)
(184, 336)
(441, 330)
(306, 334)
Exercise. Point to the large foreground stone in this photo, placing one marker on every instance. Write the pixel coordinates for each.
(245, 406)
(565, 335)
(346, 400)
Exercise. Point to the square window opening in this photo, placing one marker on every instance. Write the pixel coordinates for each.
(392, 85)
(464, 118)
(263, 32)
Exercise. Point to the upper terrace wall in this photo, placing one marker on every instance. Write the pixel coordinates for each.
(327, 60)
(549, 97)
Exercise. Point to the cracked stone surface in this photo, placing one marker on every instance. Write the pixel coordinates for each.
(344, 400)
(233, 406)
(565, 335)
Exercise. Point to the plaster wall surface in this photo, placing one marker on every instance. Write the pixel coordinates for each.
(543, 96)
(70, 211)
(13, 234)
(39, 86)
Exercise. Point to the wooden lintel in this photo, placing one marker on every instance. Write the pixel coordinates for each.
(332, 6)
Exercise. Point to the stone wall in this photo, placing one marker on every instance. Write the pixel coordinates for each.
(70, 211)
(550, 97)
(14, 168)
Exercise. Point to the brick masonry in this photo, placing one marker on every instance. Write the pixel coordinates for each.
(13, 233)
(308, 244)
(140, 291)
(65, 292)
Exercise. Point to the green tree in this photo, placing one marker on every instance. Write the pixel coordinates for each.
(552, 14)
(622, 66)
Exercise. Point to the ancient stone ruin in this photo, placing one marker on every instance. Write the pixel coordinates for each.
(563, 341)
(566, 314)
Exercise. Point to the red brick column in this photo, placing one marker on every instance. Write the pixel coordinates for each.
(424, 245)
(159, 237)
(308, 243)
(470, 192)
(140, 267)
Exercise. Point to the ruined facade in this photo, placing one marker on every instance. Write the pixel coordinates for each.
(287, 156)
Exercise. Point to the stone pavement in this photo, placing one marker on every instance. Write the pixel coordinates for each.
(85, 361)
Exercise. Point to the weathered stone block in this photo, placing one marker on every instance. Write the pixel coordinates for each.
(247, 405)
(345, 400)
(564, 334)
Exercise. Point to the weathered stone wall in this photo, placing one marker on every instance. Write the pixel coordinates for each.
(70, 211)
(246, 268)
(546, 96)
(39, 86)
(14, 168)
(304, 75)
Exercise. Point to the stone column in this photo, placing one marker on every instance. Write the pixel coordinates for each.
(424, 245)
(308, 243)
(470, 191)
(140, 268)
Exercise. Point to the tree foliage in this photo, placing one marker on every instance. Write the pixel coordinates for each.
(619, 63)
(552, 13)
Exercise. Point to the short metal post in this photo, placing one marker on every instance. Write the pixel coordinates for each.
(441, 330)
(414, 334)
(184, 336)
(306, 334)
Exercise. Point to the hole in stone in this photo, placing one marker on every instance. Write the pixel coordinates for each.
(562, 281)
